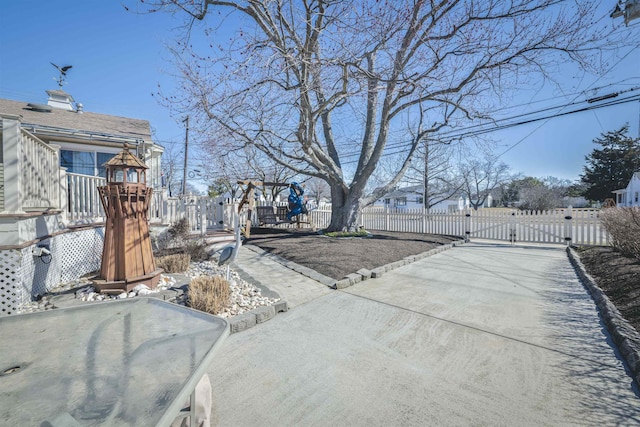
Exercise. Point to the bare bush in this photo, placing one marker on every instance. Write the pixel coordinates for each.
(210, 294)
(623, 226)
(178, 240)
(174, 263)
(196, 249)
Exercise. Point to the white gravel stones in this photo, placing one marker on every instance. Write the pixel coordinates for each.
(34, 306)
(244, 295)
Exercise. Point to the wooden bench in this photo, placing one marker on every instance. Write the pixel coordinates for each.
(267, 216)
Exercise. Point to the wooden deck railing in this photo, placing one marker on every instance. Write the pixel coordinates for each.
(38, 165)
(83, 198)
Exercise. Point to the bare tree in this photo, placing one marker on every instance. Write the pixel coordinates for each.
(323, 86)
(542, 193)
(434, 169)
(480, 177)
(318, 188)
(171, 169)
(246, 164)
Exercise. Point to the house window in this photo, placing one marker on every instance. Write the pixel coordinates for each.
(420, 200)
(102, 159)
(401, 201)
(85, 162)
(636, 197)
(387, 201)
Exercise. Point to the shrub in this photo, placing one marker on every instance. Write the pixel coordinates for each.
(177, 240)
(210, 294)
(196, 249)
(623, 226)
(174, 263)
(179, 229)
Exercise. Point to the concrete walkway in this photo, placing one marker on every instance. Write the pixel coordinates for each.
(483, 334)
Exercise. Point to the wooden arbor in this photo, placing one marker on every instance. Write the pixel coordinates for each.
(127, 257)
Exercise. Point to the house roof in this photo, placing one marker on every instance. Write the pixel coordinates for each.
(402, 192)
(72, 121)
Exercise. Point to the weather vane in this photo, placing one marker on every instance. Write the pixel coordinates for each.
(63, 73)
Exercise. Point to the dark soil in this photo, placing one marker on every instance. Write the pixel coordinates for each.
(618, 277)
(336, 257)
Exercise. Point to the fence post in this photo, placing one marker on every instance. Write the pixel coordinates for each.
(467, 232)
(219, 212)
(386, 217)
(203, 216)
(512, 228)
(568, 226)
(425, 212)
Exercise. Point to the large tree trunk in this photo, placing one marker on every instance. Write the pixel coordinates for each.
(345, 209)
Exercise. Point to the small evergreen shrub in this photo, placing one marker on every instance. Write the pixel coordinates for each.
(623, 226)
(177, 263)
(210, 294)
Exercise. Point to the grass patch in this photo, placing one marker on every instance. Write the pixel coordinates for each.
(360, 233)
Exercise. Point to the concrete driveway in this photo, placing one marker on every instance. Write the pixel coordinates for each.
(483, 334)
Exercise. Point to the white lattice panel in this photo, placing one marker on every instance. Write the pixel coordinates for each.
(24, 277)
(10, 286)
(81, 253)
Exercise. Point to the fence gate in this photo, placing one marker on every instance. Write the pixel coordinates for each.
(552, 226)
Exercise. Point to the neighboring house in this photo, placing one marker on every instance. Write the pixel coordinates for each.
(574, 202)
(51, 161)
(403, 198)
(412, 198)
(629, 196)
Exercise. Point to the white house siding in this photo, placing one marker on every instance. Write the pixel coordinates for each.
(1, 187)
(633, 190)
(630, 196)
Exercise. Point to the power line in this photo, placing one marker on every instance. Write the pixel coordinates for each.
(467, 134)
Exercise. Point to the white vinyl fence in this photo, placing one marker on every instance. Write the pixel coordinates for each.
(577, 226)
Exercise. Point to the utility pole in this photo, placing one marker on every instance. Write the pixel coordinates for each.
(186, 151)
(630, 10)
(425, 199)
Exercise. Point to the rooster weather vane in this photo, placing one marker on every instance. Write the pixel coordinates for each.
(63, 73)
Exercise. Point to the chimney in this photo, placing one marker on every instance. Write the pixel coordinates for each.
(60, 99)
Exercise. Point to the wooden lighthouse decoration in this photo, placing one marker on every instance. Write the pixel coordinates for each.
(127, 257)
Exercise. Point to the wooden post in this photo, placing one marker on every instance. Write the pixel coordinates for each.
(252, 202)
(11, 158)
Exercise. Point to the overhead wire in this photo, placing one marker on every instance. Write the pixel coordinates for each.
(477, 130)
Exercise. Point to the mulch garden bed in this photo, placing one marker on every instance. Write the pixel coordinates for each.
(618, 277)
(336, 257)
